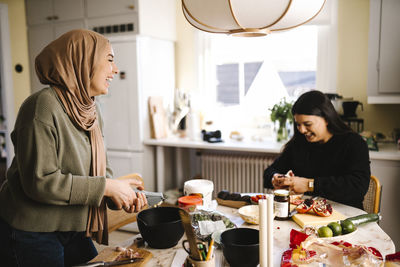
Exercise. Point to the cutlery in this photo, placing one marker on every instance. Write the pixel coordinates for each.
(108, 263)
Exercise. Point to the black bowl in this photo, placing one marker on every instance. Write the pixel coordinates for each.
(241, 247)
(160, 227)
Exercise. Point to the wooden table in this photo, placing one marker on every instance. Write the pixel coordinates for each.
(369, 235)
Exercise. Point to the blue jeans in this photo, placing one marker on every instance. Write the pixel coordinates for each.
(42, 249)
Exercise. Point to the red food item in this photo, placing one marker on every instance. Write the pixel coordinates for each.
(297, 202)
(254, 199)
(322, 209)
(395, 257)
(306, 206)
(296, 238)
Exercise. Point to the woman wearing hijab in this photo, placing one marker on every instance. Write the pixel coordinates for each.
(324, 157)
(53, 201)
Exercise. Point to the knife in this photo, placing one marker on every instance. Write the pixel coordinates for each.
(153, 199)
(108, 263)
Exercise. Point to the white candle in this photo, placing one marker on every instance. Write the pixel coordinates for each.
(270, 229)
(263, 232)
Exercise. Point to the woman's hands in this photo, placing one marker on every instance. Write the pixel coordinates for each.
(121, 193)
(296, 184)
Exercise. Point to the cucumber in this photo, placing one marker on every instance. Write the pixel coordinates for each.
(365, 218)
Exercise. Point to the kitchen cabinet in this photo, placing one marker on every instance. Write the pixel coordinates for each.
(123, 163)
(47, 11)
(383, 57)
(101, 8)
(41, 35)
(387, 171)
(146, 68)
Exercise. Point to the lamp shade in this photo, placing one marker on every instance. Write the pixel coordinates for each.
(249, 17)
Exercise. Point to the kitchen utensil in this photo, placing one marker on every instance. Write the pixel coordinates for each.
(350, 107)
(110, 254)
(240, 247)
(160, 227)
(153, 199)
(312, 219)
(109, 263)
(187, 225)
(250, 214)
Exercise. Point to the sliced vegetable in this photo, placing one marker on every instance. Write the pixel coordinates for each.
(306, 206)
(364, 218)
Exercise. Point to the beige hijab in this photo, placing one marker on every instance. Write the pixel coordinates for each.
(68, 64)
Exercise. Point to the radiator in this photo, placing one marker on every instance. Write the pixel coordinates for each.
(235, 173)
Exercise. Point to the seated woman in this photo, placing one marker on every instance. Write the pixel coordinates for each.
(324, 157)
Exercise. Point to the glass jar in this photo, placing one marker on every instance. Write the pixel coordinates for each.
(281, 204)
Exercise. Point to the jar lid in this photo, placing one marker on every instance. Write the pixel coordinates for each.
(190, 200)
(281, 192)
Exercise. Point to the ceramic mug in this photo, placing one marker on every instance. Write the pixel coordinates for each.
(209, 263)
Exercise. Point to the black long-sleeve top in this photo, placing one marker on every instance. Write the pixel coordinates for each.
(340, 167)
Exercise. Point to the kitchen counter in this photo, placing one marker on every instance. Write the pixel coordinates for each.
(368, 235)
(387, 151)
(181, 147)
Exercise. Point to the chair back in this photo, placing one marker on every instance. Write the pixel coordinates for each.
(372, 200)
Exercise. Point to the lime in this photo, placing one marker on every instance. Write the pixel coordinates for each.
(347, 226)
(336, 228)
(325, 231)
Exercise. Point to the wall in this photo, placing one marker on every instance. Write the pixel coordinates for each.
(185, 52)
(19, 50)
(353, 23)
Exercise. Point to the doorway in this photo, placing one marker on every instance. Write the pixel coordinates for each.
(6, 93)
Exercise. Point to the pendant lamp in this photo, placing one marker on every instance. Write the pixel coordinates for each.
(249, 18)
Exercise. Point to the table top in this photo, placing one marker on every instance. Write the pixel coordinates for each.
(370, 235)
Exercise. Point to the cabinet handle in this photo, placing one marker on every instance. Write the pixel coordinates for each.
(49, 18)
(132, 7)
(55, 17)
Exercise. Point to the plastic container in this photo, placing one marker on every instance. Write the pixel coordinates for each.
(200, 187)
(189, 203)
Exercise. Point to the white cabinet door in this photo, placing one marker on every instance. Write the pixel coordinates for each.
(40, 36)
(120, 107)
(61, 28)
(389, 79)
(383, 58)
(123, 163)
(39, 11)
(387, 171)
(68, 10)
(47, 11)
(101, 8)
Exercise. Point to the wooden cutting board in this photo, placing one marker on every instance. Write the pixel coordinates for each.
(158, 117)
(313, 220)
(109, 254)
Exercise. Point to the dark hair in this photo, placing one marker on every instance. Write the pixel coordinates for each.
(318, 104)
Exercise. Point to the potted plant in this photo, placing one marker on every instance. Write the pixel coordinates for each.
(281, 112)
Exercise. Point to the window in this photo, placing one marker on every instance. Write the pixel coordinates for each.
(240, 79)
